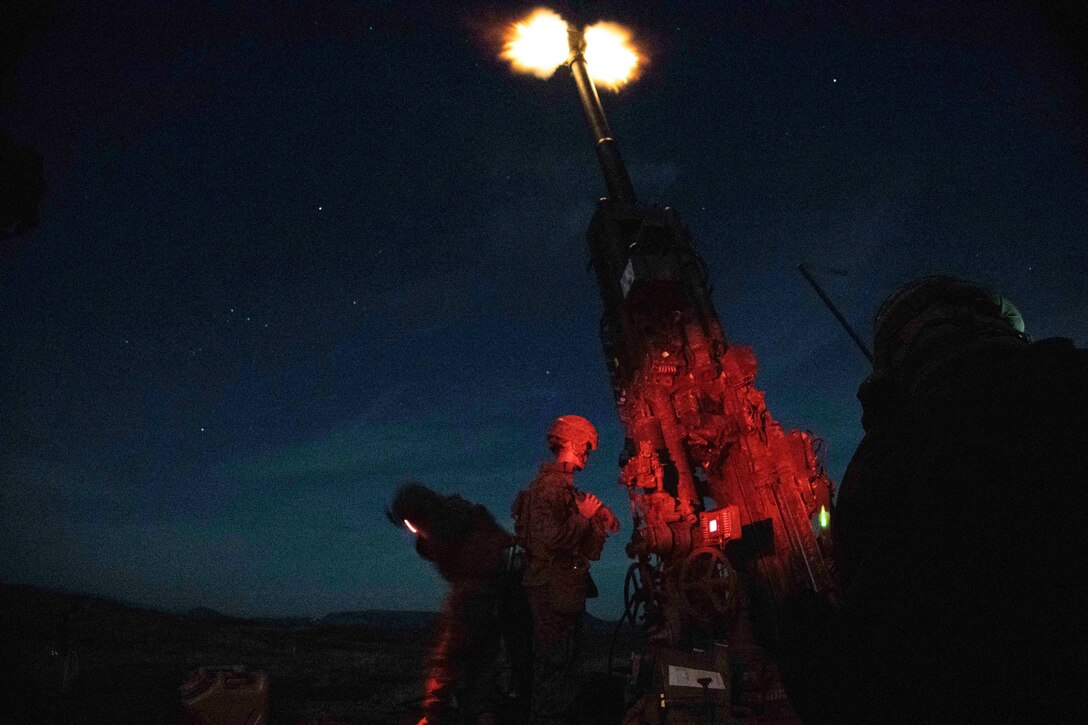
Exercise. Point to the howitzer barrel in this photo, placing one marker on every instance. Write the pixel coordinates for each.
(608, 153)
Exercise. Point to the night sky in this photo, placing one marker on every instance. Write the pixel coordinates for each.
(292, 254)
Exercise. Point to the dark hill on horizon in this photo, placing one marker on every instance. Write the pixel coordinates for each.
(379, 619)
(125, 663)
(70, 657)
(409, 619)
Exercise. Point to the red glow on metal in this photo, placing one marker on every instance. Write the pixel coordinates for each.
(720, 492)
(720, 525)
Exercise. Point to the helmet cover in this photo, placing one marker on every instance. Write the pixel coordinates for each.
(937, 300)
(573, 429)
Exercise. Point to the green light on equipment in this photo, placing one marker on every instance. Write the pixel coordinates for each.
(825, 517)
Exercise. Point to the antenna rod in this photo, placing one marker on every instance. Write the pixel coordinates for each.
(835, 311)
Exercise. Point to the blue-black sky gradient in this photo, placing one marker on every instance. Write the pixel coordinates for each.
(292, 254)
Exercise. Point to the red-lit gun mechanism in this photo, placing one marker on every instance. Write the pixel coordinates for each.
(729, 510)
(722, 498)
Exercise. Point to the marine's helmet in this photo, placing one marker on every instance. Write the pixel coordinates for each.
(939, 300)
(573, 429)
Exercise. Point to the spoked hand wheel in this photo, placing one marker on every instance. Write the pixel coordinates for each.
(635, 594)
(708, 584)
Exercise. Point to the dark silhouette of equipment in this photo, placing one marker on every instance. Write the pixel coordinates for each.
(731, 512)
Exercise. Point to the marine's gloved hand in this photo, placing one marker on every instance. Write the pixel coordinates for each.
(607, 519)
(589, 505)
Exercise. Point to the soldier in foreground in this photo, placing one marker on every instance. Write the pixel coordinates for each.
(960, 527)
(485, 603)
(561, 529)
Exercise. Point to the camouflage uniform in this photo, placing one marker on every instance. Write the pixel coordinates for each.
(559, 542)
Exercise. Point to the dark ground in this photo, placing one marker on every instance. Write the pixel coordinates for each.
(131, 661)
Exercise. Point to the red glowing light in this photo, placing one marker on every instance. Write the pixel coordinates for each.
(411, 528)
(720, 525)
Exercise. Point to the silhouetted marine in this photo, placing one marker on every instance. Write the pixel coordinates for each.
(961, 527)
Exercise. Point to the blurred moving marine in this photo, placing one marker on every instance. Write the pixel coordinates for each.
(561, 529)
(485, 603)
(961, 527)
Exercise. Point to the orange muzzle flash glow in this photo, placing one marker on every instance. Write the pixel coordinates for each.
(611, 57)
(538, 44)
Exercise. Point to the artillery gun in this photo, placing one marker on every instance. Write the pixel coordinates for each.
(731, 513)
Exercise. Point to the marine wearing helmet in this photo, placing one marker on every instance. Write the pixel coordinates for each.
(956, 524)
(561, 530)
